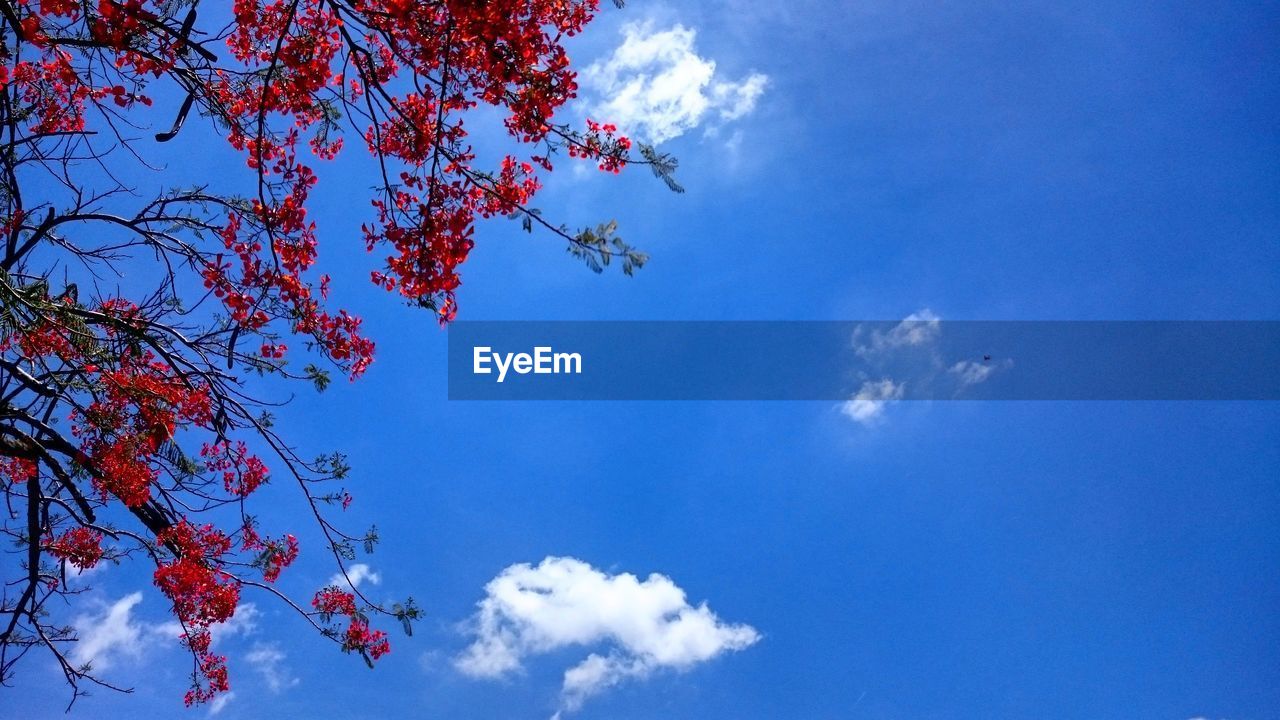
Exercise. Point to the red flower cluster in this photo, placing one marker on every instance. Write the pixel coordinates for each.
(273, 555)
(358, 638)
(141, 407)
(211, 669)
(17, 470)
(332, 601)
(242, 472)
(500, 53)
(604, 144)
(55, 94)
(46, 339)
(403, 73)
(202, 595)
(80, 546)
(504, 53)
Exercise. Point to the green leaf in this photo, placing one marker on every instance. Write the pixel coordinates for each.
(318, 376)
(663, 166)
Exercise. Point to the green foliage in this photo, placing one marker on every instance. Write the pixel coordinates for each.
(343, 549)
(183, 465)
(334, 466)
(526, 217)
(406, 613)
(318, 376)
(598, 246)
(662, 164)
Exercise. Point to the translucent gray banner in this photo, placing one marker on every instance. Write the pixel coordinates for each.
(914, 359)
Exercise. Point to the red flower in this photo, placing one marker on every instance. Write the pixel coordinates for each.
(80, 546)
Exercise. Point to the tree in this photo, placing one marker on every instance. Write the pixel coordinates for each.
(129, 428)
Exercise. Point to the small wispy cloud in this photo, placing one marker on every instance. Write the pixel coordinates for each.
(916, 330)
(357, 573)
(657, 87)
(867, 405)
(269, 662)
(83, 574)
(220, 702)
(971, 372)
(114, 633)
(920, 329)
(912, 352)
(639, 626)
(243, 623)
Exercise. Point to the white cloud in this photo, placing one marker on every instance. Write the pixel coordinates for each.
(432, 661)
(269, 661)
(733, 145)
(656, 86)
(115, 634)
(84, 573)
(358, 573)
(917, 329)
(867, 405)
(970, 372)
(219, 702)
(641, 625)
(910, 351)
(243, 622)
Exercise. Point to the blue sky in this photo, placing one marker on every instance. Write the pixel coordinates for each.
(1047, 560)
